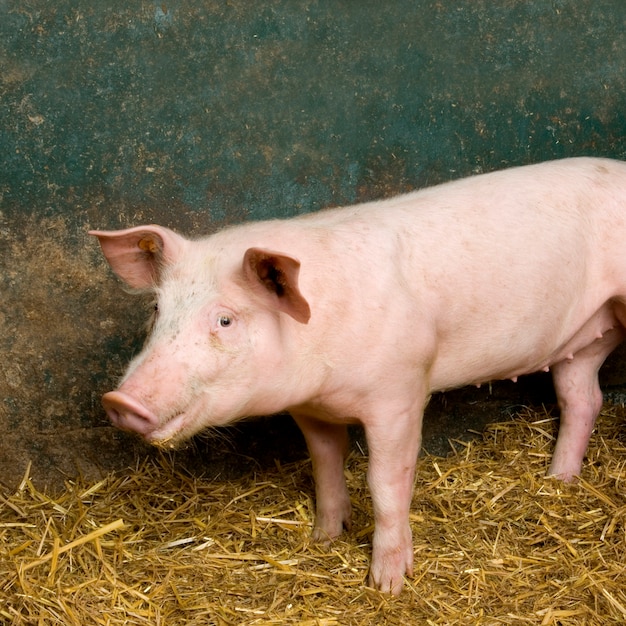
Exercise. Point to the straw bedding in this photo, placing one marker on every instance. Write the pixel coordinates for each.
(495, 543)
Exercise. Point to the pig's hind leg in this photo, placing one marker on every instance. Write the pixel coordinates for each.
(580, 400)
(328, 446)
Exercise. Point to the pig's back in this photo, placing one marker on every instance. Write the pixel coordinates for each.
(493, 272)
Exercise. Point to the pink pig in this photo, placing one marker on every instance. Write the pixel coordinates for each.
(358, 314)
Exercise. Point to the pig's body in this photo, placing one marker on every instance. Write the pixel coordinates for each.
(359, 314)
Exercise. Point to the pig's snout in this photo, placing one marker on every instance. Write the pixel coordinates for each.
(129, 414)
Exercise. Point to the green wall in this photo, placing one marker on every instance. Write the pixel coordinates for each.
(197, 114)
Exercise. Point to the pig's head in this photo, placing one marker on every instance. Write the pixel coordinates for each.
(215, 347)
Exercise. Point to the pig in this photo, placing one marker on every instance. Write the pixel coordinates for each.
(357, 315)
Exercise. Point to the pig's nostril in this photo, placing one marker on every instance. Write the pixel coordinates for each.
(127, 413)
(113, 414)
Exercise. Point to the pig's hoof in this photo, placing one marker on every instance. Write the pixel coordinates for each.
(389, 585)
(321, 536)
(390, 579)
(390, 562)
(570, 479)
(329, 524)
(326, 534)
(564, 474)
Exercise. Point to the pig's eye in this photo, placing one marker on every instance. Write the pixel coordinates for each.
(224, 321)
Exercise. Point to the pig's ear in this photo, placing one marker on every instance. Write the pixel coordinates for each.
(137, 254)
(275, 275)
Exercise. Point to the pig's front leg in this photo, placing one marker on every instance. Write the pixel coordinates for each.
(328, 446)
(393, 449)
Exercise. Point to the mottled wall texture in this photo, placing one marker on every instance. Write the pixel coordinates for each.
(200, 114)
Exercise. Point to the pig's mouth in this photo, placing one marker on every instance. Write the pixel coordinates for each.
(171, 435)
(129, 414)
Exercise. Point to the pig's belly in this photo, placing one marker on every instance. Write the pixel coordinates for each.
(544, 354)
(592, 330)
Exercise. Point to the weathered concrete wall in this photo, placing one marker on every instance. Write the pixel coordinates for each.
(199, 114)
